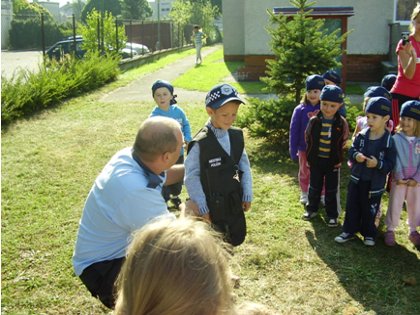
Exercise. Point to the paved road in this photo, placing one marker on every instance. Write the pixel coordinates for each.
(12, 61)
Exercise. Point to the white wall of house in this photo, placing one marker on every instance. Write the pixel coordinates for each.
(165, 7)
(245, 23)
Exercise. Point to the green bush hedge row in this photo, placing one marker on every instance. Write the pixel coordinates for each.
(28, 92)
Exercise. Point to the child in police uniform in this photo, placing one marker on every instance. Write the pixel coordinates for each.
(373, 156)
(217, 169)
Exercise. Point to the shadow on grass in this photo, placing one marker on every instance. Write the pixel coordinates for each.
(381, 279)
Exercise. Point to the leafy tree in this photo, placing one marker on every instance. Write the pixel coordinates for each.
(136, 9)
(77, 8)
(90, 33)
(112, 6)
(199, 12)
(302, 46)
(25, 29)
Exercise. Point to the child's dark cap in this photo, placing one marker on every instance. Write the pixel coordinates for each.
(332, 93)
(379, 105)
(375, 91)
(388, 81)
(411, 109)
(162, 83)
(314, 82)
(333, 76)
(222, 94)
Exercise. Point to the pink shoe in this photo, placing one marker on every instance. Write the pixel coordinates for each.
(415, 238)
(390, 238)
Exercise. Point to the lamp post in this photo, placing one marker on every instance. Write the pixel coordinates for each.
(158, 17)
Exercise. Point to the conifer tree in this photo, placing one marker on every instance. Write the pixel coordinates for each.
(302, 46)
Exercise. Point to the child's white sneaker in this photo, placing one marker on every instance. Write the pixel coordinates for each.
(369, 241)
(303, 198)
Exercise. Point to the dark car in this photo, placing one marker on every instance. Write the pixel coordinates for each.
(64, 47)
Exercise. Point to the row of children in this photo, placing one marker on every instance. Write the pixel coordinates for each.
(318, 135)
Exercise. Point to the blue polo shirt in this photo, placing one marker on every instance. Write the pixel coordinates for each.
(120, 201)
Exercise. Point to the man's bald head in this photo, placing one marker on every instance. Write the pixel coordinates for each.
(156, 136)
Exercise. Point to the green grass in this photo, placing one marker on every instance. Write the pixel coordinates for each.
(50, 161)
(214, 70)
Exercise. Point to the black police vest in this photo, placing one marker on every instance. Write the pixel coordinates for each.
(221, 181)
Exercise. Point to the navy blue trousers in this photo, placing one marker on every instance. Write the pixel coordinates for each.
(320, 172)
(361, 209)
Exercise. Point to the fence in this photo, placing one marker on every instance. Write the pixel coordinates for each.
(36, 32)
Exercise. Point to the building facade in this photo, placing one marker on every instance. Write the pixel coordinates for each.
(374, 26)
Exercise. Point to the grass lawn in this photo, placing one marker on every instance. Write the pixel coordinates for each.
(50, 161)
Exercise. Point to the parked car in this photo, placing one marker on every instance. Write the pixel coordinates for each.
(136, 49)
(66, 46)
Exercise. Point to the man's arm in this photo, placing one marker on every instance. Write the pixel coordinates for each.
(175, 174)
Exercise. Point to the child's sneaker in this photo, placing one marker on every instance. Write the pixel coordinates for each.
(389, 237)
(344, 237)
(414, 238)
(303, 198)
(369, 241)
(332, 222)
(307, 215)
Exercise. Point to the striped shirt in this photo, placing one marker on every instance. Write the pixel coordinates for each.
(325, 139)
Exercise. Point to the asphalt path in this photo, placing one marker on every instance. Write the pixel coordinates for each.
(12, 61)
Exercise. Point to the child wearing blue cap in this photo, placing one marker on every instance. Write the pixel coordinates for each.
(217, 169)
(373, 156)
(308, 107)
(405, 185)
(331, 77)
(163, 94)
(326, 136)
(361, 121)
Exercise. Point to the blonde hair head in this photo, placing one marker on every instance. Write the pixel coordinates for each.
(416, 132)
(175, 267)
(414, 15)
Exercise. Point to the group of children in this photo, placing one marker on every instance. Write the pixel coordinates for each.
(318, 136)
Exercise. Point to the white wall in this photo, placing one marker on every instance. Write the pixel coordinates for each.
(370, 33)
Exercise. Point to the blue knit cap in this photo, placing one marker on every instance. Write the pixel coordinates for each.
(314, 82)
(332, 93)
(162, 83)
(411, 109)
(379, 105)
(332, 76)
(388, 81)
(375, 91)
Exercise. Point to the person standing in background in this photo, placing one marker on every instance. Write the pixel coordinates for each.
(198, 36)
(407, 85)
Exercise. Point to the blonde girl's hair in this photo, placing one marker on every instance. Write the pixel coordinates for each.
(416, 128)
(414, 15)
(175, 267)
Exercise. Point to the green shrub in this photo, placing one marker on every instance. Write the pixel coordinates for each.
(268, 118)
(29, 92)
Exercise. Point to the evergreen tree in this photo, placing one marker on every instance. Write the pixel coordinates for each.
(302, 46)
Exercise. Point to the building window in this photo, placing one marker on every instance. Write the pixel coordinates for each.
(403, 9)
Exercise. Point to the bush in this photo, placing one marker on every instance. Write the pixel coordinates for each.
(268, 118)
(29, 92)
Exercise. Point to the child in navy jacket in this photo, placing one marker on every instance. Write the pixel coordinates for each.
(373, 156)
